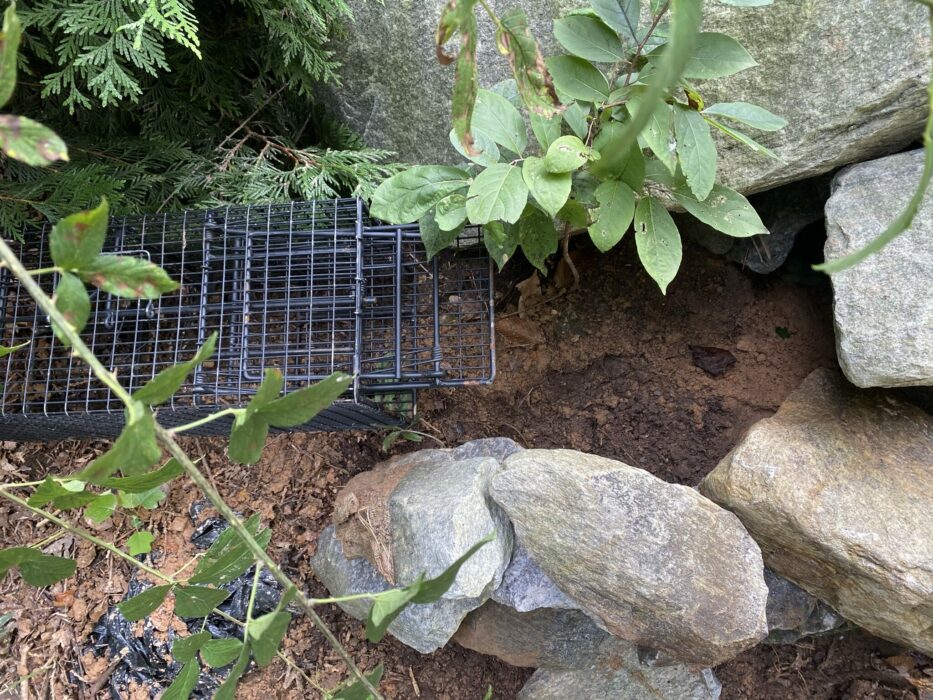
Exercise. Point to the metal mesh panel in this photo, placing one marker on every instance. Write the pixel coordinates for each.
(307, 287)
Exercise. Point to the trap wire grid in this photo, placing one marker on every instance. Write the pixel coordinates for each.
(309, 288)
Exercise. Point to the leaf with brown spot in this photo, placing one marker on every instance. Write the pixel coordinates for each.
(515, 40)
(458, 16)
(9, 45)
(76, 240)
(30, 142)
(128, 277)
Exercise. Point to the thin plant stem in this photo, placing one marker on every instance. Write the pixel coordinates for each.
(206, 419)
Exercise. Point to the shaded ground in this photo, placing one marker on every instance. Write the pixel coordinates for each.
(606, 369)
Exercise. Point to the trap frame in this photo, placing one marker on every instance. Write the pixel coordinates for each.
(307, 287)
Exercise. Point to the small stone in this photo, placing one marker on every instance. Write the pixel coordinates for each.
(525, 587)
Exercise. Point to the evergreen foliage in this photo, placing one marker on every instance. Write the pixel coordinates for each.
(174, 103)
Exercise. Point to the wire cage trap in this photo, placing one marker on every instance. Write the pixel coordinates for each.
(307, 287)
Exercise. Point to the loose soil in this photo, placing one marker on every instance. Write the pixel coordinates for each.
(607, 368)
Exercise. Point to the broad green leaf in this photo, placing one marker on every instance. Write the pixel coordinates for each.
(298, 407)
(434, 238)
(550, 190)
(567, 154)
(185, 648)
(578, 79)
(218, 653)
(227, 689)
(501, 241)
(533, 82)
(747, 113)
(451, 213)
(184, 682)
(508, 89)
(614, 216)
(101, 507)
(229, 557)
(657, 241)
(746, 139)
(546, 130)
(357, 691)
(161, 387)
(9, 45)
(4, 351)
(589, 38)
(139, 606)
(36, 568)
(198, 601)
(145, 482)
(486, 152)
(714, 55)
(386, 607)
(128, 277)
(497, 193)
(76, 240)
(496, 117)
(30, 142)
(269, 390)
(247, 438)
(432, 589)
(133, 452)
(72, 300)
(725, 210)
(615, 163)
(657, 133)
(139, 543)
(145, 499)
(621, 15)
(51, 491)
(266, 634)
(537, 237)
(695, 150)
(574, 214)
(576, 117)
(405, 197)
(584, 187)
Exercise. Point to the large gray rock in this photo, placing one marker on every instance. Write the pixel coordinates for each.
(883, 307)
(630, 682)
(866, 98)
(837, 490)
(655, 563)
(425, 628)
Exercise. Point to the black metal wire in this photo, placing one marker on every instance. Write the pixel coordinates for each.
(307, 287)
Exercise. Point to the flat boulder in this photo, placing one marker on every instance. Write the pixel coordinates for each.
(655, 563)
(837, 489)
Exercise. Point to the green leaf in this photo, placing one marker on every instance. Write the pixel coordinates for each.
(497, 193)
(567, 154)
(450, 213)
(198, 601)
(496, 117)
(9, 45)
(657, 241)
(218, 653)
(615, 163)
(486, 152)
(725, 210)
(128, 277)
(576, 117)
(614, 216)
(500, 241)
(36, 568)
(508, 89)
(139, 606)
(30, 142)
(266, 634)
(578, 79)
(546, 130)
(76, 240)
(537, 237)
(696, 150)
(386, 607)
(161, 387)
(357, 691)
(101, 507)
(745, 139)
(622, 15)
(461, 18)
(550, 190)
(247, 438)
(184, 682)
(533, 82)
(145, 499)
(139, 543)
(229, 556)
(72, 300)
(405, 197)
(4, 351)
(434, 238)
(714, 55)
(589, 38)
(299, 407)
(227, 689)
(145, 482)
(133, 452)
(657, 133)
(747, 113)
(575, 214)
(185, 649)
(51, 491)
